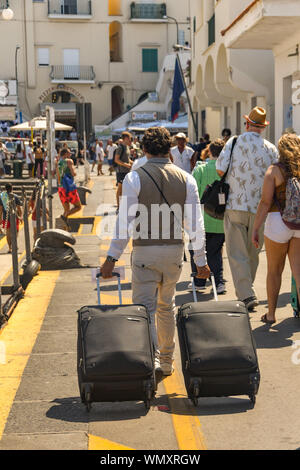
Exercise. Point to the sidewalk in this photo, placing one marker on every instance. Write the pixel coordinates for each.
(42, 408)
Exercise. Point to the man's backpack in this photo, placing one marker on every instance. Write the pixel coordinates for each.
(291, 213)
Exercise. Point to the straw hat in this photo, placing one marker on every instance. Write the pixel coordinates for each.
(257, 117)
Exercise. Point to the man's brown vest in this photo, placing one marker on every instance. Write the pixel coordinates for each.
(155, 221)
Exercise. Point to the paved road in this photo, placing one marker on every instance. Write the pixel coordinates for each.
(39, 403)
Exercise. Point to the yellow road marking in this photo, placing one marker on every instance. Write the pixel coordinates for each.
(187, 426)
(19, 336)
(97, 443)
(186, 423)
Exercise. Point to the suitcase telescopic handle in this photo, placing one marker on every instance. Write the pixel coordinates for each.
(193, 275)
(114, 274)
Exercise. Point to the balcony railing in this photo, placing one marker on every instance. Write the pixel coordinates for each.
(147, 11)
(211, 31)
(70, 7)
(72, 73)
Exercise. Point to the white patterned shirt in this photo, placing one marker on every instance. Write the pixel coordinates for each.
(251, 157)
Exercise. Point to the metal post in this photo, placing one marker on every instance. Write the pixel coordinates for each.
(188, 97)
(38, 211)
(26, 228)
(17, 83)
(44, 208)
(14, 243)
(50, 152)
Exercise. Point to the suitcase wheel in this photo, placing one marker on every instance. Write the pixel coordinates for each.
(252, 398)
(88, 398)
(195, 401)
(149, 396)
(196, 391)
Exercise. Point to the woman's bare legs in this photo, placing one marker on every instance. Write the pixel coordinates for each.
(294, 258)
(276, 256)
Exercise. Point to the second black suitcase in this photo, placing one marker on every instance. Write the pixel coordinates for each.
(115, 354)
(218, 352)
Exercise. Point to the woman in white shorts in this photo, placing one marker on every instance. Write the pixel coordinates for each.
(280, 241)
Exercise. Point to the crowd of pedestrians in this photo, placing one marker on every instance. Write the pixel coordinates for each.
(257, 173)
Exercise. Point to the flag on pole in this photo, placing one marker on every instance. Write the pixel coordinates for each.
(178, 89)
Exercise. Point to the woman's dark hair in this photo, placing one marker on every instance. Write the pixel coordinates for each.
(19, 148)
(157, 141)
(216, 147)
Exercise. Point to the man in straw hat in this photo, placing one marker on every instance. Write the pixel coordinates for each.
(183, 155)
(251, 157)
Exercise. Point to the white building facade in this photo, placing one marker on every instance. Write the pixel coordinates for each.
(226, 82)
(274, 25)
(105, 53)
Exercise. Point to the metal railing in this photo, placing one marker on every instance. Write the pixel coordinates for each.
(72, 72)
(70, 7)
(20, 281)
(148, 10)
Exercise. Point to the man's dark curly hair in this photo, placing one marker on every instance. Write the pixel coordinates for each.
(157, 141)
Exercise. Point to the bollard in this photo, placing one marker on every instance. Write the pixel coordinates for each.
(14, 243)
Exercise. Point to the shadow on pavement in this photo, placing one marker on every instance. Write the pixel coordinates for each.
(206, 406)
(71, 409)
(283, 300)
(278, 335)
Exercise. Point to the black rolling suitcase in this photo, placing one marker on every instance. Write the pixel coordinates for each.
(115, 353)
(218, 352)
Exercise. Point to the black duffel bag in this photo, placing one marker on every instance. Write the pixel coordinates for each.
(215, 196)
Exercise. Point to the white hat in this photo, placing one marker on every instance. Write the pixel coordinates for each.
(180, 135)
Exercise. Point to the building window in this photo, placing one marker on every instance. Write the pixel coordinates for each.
(43, 56)
(150, 60)
(211, 30)
(115, 41)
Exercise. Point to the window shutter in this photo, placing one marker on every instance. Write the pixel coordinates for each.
(43, 56)
(150, 60)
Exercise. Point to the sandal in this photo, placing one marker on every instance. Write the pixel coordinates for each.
(264, 319)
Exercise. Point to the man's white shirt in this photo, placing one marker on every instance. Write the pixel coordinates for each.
(251, 157)
(99, 153)
(29, 155)
(139, 162)
(110, 151)
(183, 160)
(193, 220)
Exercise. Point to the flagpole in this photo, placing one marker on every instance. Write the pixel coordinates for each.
(188, 97)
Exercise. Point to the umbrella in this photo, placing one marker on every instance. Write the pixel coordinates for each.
(39, 124)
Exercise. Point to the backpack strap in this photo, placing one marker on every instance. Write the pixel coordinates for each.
(230, 158)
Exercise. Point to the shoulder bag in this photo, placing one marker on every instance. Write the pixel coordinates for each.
(216, 194)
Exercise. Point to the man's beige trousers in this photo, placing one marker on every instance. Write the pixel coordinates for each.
(243, 257)
(155, 272)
